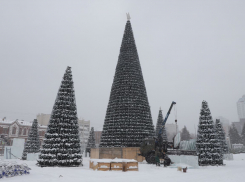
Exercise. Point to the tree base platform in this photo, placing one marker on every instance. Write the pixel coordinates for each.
(116, 152)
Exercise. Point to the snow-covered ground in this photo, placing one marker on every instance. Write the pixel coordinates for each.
(233, 171)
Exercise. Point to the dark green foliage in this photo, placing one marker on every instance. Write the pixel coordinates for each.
(32, 144)
(234, 135)
(62, 144)
(159, 126)
(220, 135)
(243, 135)
(128, 117)
(208, 147)
(91, 140)
(185, 135)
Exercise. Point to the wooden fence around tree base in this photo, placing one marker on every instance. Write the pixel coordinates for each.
(116, 152)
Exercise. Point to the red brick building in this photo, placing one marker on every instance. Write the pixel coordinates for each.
(19, 129)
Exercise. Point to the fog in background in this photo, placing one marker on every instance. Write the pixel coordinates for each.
(189, 51)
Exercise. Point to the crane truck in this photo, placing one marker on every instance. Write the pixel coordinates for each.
(152, 147)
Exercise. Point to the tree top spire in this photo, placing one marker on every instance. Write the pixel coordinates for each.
(128, 16)
(68, 68)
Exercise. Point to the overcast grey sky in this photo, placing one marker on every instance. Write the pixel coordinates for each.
(189, 51)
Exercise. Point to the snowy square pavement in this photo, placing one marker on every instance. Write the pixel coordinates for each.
(233, 171)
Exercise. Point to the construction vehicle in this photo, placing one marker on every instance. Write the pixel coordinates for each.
(156, 147)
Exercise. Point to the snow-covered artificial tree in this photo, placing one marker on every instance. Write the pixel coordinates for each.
(62, 144)
(235, 138)
(159, 126)
(220, 135)
(243, 135)
(32, 144)
(91, 140)
(185, 135)
(208, 147)
(128, 117)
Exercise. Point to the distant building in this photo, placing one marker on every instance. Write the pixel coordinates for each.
(239, 125)
(241, 107)
(84, 128)
(171, 129)
(97, 135)
(19, 129)
(43, 119)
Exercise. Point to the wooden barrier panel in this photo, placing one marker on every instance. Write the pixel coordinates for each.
(113, 165)
(104, 166)
(116, 166)
(92, 166)
(94, 153)
(132, 153)
(112, 153)
(132, 166)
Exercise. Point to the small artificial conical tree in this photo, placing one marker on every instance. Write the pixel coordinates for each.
(234, 135)
(208, 148)
(185, 135)
(91, 140)
(243, 135)
(220, 135)
(32, 144)
(160, 125)
(62, 144)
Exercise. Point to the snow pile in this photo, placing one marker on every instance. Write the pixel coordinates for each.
(184, 161)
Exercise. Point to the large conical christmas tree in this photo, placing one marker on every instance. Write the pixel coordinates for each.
(128, 117)
(91, 140)
(220, 135)
(159, 126)
(208, 148)
(62, 144)
(32, 144)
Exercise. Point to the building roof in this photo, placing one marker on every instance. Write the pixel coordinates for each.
(242, 99)
(20, 122)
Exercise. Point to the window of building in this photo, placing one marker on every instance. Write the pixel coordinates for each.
(20, 131)
(5, 130)
(14, 130)
(24, 132)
